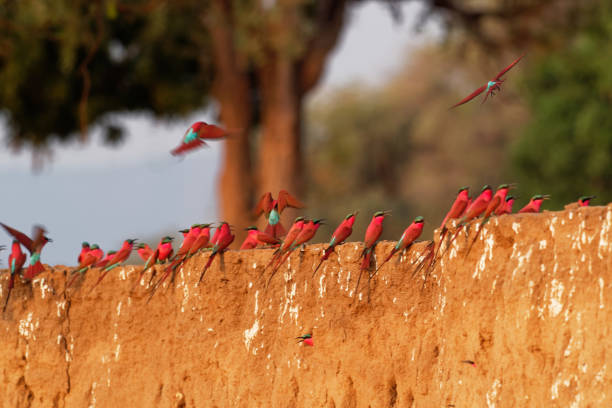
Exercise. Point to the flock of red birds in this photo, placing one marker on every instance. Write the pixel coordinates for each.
(197, 239)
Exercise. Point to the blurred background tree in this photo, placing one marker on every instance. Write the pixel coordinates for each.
(66, 65)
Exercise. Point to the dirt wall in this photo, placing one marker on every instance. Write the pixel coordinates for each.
(530, 306)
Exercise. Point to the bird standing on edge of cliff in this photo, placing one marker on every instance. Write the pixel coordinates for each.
(534, 205)
(34, 245)
(457, 210)
(224, 238)
(120, 256)
(196, 134)
(410, 235)
(490, 87)
(342, 232)
(88, 260)
(507, 207)
(585, 201)
(255, 238)
(273, 209)
(306, 339)
(372, 235)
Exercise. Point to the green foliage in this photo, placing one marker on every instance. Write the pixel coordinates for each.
(137, 59)
(566, 149)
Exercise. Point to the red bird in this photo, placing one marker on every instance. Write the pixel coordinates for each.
(498, 201)
(16, 261)
(144, 251)
(84, 250)
(507, 207)
(410, 235)
(533, 206)
(373, 233)
(273, 209)
(342, 232)
(164, 249)
(120, 256)
(196, 134)
(490, 87)
(225, 238)
(457, 210)
(306, 234)
(584, 201)
(106, 259)
(89, 259)
(201, 242)
(255, 238)
(294, 231)
(34, 245)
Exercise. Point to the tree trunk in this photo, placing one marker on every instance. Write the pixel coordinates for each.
(232, 90)
(280, 164)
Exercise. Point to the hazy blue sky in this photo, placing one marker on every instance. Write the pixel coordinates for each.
(104, 195)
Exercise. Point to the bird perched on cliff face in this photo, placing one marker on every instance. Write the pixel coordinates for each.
(410, 235)
(490, 87)
(534, 205)
(120, 256)
(164, 249)
(273, 209)
(224, 239)
(372, 235)
(456, 211)
(294, 231)
(507, 207)
(144, 251)
(306, 339)
(196, 134)
(16, 261)
(34, 245)
(88, 260)
(255, 238)
(584, 201)
(84, 250)
(342, 232)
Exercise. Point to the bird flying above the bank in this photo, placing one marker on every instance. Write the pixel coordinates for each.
(273, 209)
(490, 87)
(196, 134)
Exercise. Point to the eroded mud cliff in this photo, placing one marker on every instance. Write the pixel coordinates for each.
(530, 306)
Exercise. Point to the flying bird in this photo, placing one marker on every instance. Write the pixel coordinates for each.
(273, 209)
(34, 245)
(196, 134)
(490, 87)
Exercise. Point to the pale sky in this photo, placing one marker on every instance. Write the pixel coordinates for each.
(103, 195)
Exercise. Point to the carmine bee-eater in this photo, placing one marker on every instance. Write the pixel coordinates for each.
(120, 256)
(89, 260)
(410, 235)
(202, 241)
(306, 234)
(584, 201)
(34, 245)
(342, 232)
(294, 231)
(144, 251)
(225, 238)
(456, 211)
(84, 250)
(533, 206)
(196, 134)
(149, 262)
(474, 210)
(498, 201)
(490, 87)
(104, 262)
(507, 207)
(165, 249)
(372, 235)
(273, 209)
(16, 261)
(306, 339)
(255, 238)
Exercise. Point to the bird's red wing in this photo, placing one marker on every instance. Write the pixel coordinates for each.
(503, 71)
(264, 205)
(343, 233)
(287, 200)
(470, 96)
(211, 132)
(20, 236)
(266, 238)
(185, 147)
(38, 237)
(33, 270)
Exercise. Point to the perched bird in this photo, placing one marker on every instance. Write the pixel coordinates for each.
(490, 87)
(144, 251)
(89, 260)
(164, 249)
(410, 235)
(498, 201)
(255, 238)
(196, 134)
(372, 235)
(342, 232)
(273, 209)
(306, 339)
(189, 238)
(84, 250)
(294, 231)
(507, 207)
(456, 211)
(120, 256)
(104, 262)
(202, 241)
(533, 206)
(308, 232)
(584, 201)
(16, 261)
(34, 245)
(224, 239)
(474, 210)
